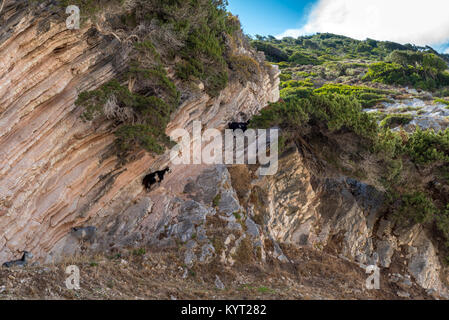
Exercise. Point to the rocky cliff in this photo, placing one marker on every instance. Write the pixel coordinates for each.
(57, 172)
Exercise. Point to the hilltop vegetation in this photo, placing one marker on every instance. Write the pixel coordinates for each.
(324, 47)
(381, 61)
(194, 40)
(328, 80)
(421, 70)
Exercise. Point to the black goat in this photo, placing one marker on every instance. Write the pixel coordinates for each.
(19, 263)
(153, 178)
(84, 233)
(239, 125)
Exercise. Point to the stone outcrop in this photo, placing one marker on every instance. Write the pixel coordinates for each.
(421, 113)
(344, 216)
(56, 171)
(206, 216)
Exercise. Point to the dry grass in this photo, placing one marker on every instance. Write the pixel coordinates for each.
(162, 275)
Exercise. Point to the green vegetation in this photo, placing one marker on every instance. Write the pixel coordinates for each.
(335, 112)
(139, 252)
(203, 56)
(216, 200)
(302, 58)
(152, 113)
(325, 47)
(327, 79)
(394, 120)
(245, 67)
(419, 207)
(295, 88)
(368, 97)
(426, 147)
(416, 207)
(196, 39)
(89, 8)
(422, 147)
(272, 53)
(338, 56)
(418, 69)
(295, 83)
(265, 290)
(443, 101)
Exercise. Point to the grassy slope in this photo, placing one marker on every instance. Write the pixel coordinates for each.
(159, 275)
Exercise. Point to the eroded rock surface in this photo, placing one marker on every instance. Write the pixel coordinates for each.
(56, 171)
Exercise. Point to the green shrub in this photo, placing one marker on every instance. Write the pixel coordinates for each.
(196, 33)
(442, 223)
(389, 143)
(422, 147)
(326, 47)
(394, 120)
(335, 111)
(245, 67)
(296, 83)
(442, 92)
(203, 58)
(285, 76)
(139, 252)
(368, 97)
(299, 58)
(425, 147)
(216, 200)
(153, 113)
(89, 8)
(299, 92)
(416, 207)
(443, 101)
(303, 74)
(131, 136)
(419, 69)
(272, 53)
(157, 79)
(290, 115)
(388, 73)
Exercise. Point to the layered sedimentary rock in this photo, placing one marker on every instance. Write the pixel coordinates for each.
(56, 171)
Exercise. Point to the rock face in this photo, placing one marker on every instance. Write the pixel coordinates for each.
(423, 114)
(344, 217)
(56, 173)
(55, 170)
(206, 216)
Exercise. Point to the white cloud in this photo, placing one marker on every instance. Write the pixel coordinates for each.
(404, 21)
(446, 51)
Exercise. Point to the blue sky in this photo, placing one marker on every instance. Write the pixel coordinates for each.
(270, 17)
(404, 21)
